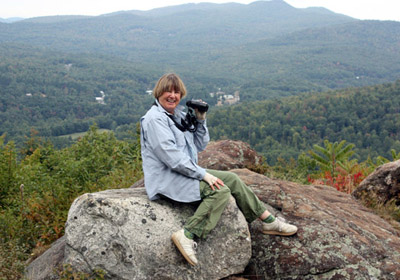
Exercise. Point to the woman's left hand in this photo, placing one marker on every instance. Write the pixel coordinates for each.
(213, 181)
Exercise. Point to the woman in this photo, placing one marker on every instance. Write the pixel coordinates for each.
(169, 153)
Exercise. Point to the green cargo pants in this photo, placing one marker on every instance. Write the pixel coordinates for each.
(214, 202)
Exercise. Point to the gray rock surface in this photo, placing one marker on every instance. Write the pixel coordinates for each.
(228, 154)
(129, 237)
(383, 184)
(338, 238)
(46, 266)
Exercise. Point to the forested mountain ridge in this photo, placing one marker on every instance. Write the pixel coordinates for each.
(265, 49)
(10, 20)
(353, 54)
(52, 68)
(368, 117)
(198, 26)
(56, 93)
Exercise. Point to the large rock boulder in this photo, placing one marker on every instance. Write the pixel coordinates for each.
(382, 184)
(338, 238)
(129, 237)
(229, 154)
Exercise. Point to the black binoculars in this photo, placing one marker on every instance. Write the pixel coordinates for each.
(198, 104)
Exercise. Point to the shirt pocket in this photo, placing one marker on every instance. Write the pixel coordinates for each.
(179, 137)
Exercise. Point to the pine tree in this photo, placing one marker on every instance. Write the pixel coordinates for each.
(332, 156)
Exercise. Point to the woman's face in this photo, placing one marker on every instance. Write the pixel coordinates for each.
(169, 100)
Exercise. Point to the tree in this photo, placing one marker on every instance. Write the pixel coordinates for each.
(382, 160)
(332, 156)
(7, 170)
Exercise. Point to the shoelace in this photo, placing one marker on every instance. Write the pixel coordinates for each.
(280, 223)
(282, 219)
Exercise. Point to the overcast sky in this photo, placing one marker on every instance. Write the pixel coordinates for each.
(361, 9)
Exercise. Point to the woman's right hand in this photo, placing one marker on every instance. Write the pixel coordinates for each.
(213, 181)
(200, 115)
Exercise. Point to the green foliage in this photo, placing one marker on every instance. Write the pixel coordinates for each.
(55, 93)
(292, 170)
(69, 274)
(334, 155)
(382, 160)
(7, 171)
(367, 117)
(12, 259)
(46, 181)
(65, 65)
(379, 160)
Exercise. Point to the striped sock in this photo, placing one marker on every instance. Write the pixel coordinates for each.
(188, 234)
(269, 219)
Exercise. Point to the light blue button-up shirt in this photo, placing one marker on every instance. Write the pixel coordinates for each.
(170, 155)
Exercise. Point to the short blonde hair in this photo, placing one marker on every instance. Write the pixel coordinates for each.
(169, 82)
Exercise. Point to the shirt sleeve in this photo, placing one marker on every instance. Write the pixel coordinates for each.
(201, 136)
(163, 143)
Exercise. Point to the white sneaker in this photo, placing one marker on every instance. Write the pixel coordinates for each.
(185, 245)
(279, 227)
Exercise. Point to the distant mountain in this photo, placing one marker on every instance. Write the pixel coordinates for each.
(352, 54)
(201, 26)
(11, 20)
(264, 49)
(320, 10)
(54, 19)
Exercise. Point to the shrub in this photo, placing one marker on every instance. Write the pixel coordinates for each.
(38, 190)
